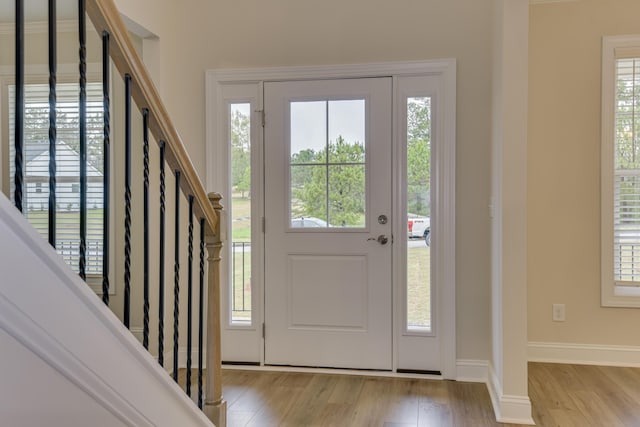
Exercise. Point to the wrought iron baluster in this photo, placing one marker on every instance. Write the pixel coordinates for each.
(176, 277)
(82, 34)
(189, 294)
(243, 278)
(127, 202)
(162, 254)
(233, 278)
(106, 166)
(19, 107)
(145, 321)
(201, 316)
(52, 122)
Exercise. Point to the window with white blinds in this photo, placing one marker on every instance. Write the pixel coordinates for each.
(620, 171)
(36, 167)
(626, 225)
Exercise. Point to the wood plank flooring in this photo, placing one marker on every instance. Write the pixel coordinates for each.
(561, 395)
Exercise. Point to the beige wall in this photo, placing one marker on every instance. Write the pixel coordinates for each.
(253, 33)
(564, 171)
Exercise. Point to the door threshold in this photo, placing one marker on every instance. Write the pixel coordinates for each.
(429, 375)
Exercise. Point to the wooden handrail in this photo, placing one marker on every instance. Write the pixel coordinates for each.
(105, 17)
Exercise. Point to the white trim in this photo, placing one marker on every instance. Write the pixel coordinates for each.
(508, 408)
(37, 27)
(18, 324)
(584, 354)
(447, 69)
(247, 339)
(246, 75)
(472, 371)
(42, 329)
(611, 295)
(448, 223)
(138, 29)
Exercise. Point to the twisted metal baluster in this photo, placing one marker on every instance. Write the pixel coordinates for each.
(106, 166)
(18, 177)
(161, 272)
(145, 147)
(189, 295)
(127, 203)
(82, 33)
(52, 122)
(176, 278)
(201, 316)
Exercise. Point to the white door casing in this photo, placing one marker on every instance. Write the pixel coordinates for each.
(443, 74)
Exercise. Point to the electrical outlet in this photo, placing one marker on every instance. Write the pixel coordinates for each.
(558, 313)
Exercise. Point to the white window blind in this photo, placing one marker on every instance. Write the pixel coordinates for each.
(626, 216)
(36, 168)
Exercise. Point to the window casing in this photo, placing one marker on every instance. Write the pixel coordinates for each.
(620, 172)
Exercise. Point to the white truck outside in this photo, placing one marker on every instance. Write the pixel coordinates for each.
(419, 227)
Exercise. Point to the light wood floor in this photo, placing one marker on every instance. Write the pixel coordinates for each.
(561, 395)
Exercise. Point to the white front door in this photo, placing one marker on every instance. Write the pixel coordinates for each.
(328, 245)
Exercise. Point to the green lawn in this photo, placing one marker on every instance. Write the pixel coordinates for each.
(240, 214)
(241, 309)
(419, 291)
(241, 219)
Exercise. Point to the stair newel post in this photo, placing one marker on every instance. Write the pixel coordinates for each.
(215, 406)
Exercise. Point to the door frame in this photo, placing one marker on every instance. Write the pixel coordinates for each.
(445, 139)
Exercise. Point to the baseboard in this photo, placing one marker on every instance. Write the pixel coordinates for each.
(584, 354)
(472, 371)
(508, 408)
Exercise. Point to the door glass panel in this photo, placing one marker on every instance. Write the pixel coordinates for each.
(346, 127)
(346, 195)
(327, 165)
(419, 214)
(240, 211)
(308, 196)
(308, 132)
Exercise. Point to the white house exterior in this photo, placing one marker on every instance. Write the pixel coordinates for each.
(67, 176)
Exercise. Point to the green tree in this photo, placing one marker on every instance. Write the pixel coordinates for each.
(240, 152)
(342, 192)
(418, 156)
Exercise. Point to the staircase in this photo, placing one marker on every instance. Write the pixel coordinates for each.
(110, 246)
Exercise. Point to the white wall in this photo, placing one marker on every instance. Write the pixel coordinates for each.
(253, 33)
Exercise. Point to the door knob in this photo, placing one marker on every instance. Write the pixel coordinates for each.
(382, 239)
